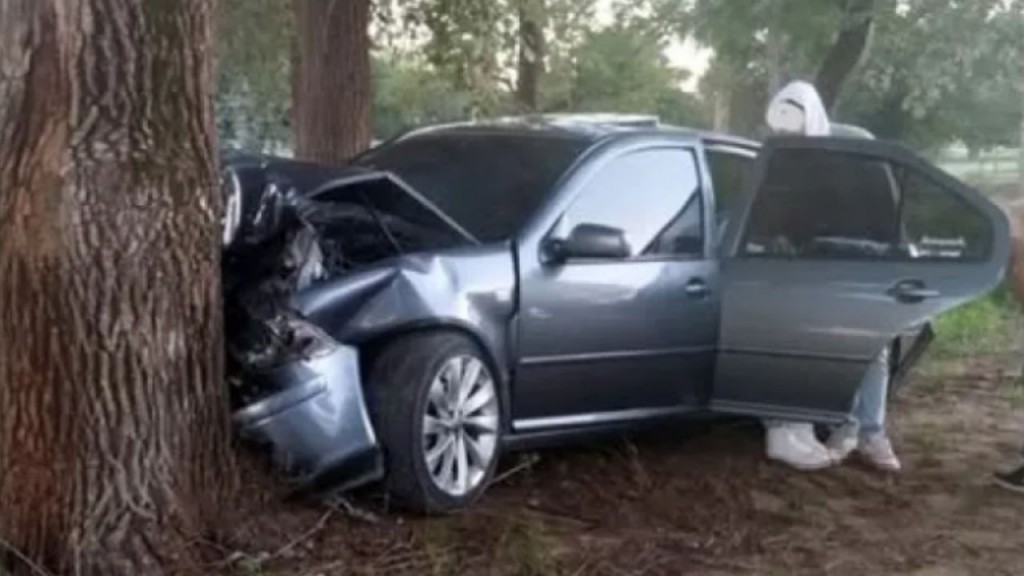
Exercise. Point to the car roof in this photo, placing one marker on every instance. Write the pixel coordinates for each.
(590, 128)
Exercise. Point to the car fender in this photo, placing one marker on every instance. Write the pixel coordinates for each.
(469, 289)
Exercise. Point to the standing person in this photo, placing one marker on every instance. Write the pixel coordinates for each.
(798, 109)
(1013, 480)
(864, 431)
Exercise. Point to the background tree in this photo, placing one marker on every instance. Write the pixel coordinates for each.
(333, 95)
(532, 53)
(847, 51)
(409, 93)
(471, 42)
(255, 41)
(758, 46)
(920, 87)
(623, 68)
(114, 433)
(886, 64)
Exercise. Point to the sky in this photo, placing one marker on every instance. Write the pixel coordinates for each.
(690, 56)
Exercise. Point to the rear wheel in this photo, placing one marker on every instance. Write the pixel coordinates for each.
(435, 405)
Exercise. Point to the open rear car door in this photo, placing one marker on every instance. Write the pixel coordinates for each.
(840, 246)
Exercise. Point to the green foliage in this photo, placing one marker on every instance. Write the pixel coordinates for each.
(740, 32)
(409, 94)
(445, 60)
(982, 325)
(254, 39)
(942, 71)
(935, 71)
(470, 42)
(622, 69)
(757, 43)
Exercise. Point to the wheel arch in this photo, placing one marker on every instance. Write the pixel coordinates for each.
(373, 345)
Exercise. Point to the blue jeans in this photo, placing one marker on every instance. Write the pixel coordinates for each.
(870, 404)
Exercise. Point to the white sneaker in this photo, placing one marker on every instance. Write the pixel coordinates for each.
(794, 444)
(877, 451)
(843, 441)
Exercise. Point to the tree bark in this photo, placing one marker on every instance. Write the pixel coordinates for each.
(114, 432)
(333, 96)
(847, 51)
(532, 51)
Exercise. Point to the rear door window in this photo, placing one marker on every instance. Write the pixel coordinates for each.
(827, 204)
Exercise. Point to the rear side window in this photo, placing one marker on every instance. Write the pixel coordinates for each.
(939, 225)
(837, 205)
(652, 195)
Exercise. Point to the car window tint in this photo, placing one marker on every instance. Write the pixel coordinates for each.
(938, 225)
(490, 183)
(730, 174)
(837, 205)
(821, 204)
(651, 195)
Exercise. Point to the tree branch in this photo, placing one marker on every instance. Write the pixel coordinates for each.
(847, 51)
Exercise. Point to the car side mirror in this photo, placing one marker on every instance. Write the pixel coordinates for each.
(588, 241)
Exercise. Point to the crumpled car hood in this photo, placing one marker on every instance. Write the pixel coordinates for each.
(300, 224)
(255, 175)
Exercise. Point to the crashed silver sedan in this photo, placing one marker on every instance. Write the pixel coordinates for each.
(469, 289)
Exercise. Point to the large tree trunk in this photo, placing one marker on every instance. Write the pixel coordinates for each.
(531, 53)
(333, 96)
(114, 430)
(847, 51)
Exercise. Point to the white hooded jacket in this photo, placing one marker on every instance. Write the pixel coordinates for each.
(798, 109)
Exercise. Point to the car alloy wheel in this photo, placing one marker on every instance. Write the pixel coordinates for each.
(460, 426)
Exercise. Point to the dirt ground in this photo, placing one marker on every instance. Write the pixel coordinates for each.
(706, 502)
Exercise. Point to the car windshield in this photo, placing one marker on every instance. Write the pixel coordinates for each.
(489, 183)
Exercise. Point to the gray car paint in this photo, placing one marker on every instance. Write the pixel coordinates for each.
(591, 349)
(319, 423)
(557, 334)
(318, 428)
(797, 335)
(471, 290)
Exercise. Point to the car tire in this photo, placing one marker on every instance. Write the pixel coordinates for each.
(436, 408)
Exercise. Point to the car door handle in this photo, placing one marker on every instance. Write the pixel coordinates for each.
(697, 288)
(912, 291)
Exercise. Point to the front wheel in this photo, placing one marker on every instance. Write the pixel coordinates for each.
(435, 405)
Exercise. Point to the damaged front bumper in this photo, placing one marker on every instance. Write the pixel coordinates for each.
(316, 424)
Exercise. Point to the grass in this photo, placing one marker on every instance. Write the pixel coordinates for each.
(439, 544)
(983, 327)
(528, 549)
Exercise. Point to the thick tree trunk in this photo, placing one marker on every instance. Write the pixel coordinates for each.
(333, 96)
(531, 53)
(847, 51)
(114, 428)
